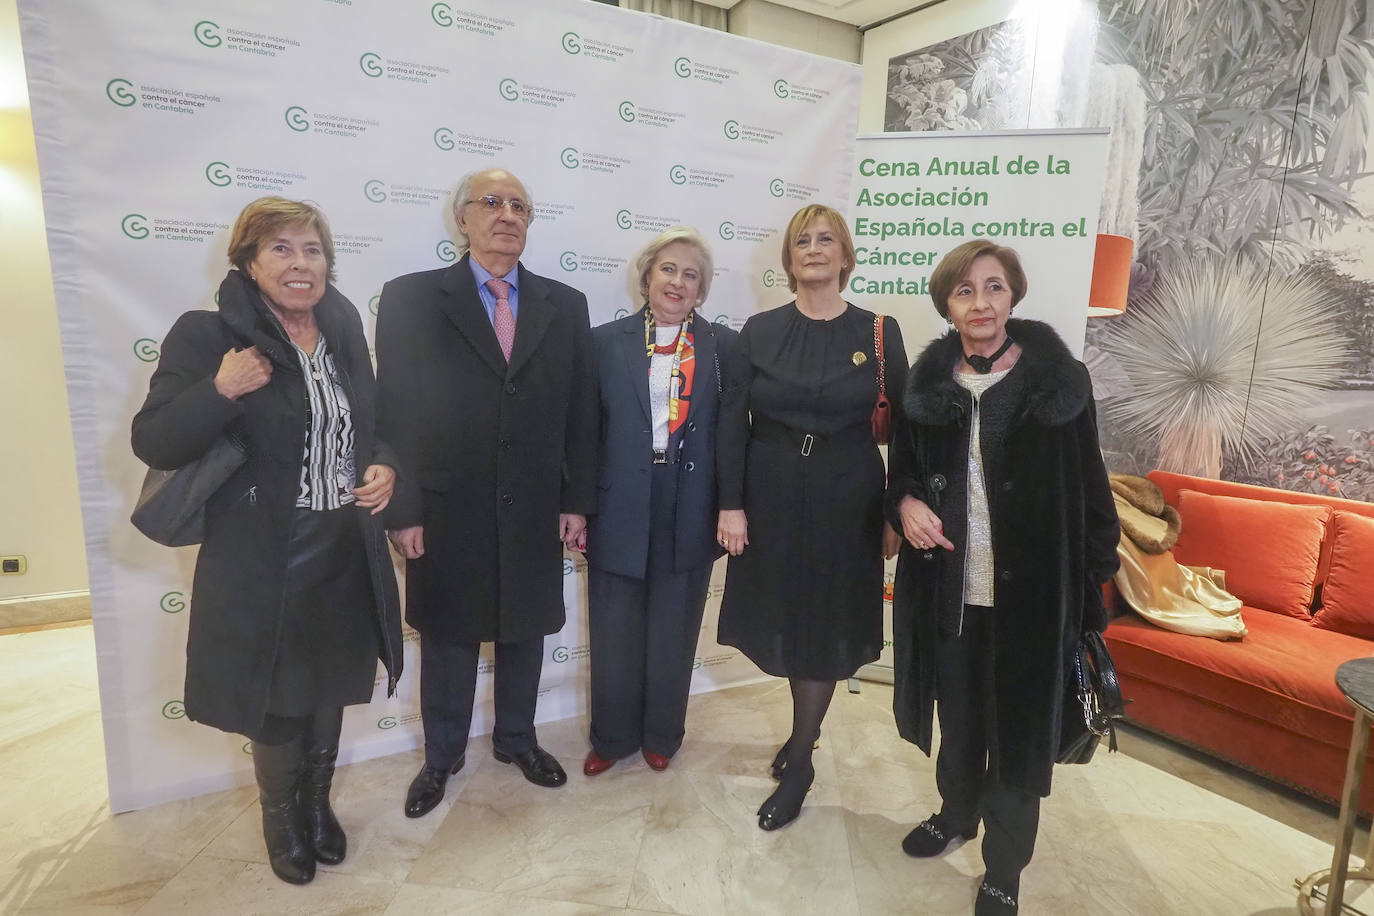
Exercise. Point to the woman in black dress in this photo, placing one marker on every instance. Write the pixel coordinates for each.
(801, 484)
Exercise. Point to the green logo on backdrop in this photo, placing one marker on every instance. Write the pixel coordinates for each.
(627, 111)
(446, 251)
(443, 138)
(678, 174)
(568, 261)
(375, 191)
(569, 158)
(442, 14)
(771, 278)
(776, 187)
(117, 91)
(373, 303)
(386, 722)
(622, 219)
(727, 230)
(560, 654)
(173, 709)
(207, 33)
(572, 42)
(780, 88)
(731, 128)
(371, 64)
(509, 89)
(683, 67)
(145, 348)
(217, 173)
(134, 226)
(172, 603)
(297, 118)
(721, 319)
(621, 313)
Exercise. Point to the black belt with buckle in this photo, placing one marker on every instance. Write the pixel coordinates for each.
(805, 442)
(660, 456)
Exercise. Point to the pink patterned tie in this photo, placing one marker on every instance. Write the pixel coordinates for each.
(504, 319)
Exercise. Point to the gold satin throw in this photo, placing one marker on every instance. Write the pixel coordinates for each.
(1186, 599)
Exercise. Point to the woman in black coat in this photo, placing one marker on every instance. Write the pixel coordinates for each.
(997, 484)
(652, 542)
(294, 597)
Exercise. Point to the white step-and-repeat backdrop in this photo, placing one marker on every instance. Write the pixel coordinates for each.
(157, 122)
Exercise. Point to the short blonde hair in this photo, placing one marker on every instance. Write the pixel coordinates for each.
(646, 259)
(805, 217)
(950, 272)
(265, 217)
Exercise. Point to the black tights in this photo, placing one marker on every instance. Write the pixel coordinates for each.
(810, 700)
(322, 728)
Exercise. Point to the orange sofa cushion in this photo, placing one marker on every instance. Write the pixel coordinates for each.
(1348, 594)
(1283, 672)
(1268, 549)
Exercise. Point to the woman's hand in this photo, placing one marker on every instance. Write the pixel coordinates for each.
(379, 481)
(409, 542)
(732, 531)
(892, 542)
(242, 371)
(921, 526)
(572, 531)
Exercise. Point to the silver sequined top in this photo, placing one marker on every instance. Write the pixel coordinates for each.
(978, 553)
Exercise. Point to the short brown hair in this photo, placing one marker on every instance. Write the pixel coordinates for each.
(645, 260)
(797, 225)
(952, 267)
(264, 217)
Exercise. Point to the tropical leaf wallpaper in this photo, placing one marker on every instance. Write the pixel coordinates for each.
(1247, 349)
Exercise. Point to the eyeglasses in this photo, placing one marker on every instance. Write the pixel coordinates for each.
(493, 204)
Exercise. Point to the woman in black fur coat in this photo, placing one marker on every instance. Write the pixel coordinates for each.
(997, 484)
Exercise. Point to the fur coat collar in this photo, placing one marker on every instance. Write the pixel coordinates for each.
(1057, 385)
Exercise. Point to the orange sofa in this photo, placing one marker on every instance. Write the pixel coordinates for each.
(1304, 566)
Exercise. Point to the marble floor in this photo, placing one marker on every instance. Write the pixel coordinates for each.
(1153, 829)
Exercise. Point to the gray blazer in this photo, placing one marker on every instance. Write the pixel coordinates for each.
(618, 534)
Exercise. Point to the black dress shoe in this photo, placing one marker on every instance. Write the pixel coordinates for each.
(782, 807)
(538, 765)
(994, 900)
(427, 788)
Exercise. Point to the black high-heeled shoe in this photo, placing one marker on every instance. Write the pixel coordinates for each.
(782, 807)
(779, 765)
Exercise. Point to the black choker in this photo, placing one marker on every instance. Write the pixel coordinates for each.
(983, 364)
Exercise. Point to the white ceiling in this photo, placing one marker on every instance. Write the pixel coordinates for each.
(854, 12)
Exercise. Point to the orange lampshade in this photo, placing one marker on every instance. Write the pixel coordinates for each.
(1111, 276)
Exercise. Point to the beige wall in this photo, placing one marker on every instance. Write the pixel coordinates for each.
(935, 23)
(791, 28)
(40, 514)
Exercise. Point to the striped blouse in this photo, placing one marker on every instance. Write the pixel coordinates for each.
(328, 468)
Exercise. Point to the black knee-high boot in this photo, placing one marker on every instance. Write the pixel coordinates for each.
(278, 770)
(326, 835)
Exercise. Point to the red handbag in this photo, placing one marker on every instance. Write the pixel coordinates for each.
(882, 411)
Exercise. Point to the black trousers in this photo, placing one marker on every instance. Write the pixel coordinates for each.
(644, 639)
(448, 683)
(965, 773)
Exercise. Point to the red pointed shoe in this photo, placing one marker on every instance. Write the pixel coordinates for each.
(594, 765)
(656, 761)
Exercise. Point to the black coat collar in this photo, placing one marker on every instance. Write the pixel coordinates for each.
(242, 308)
(1057, 385)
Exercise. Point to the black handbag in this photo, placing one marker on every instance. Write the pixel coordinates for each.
(171, 507)
(1092, 701)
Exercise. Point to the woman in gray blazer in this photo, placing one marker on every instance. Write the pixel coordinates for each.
(651, 543)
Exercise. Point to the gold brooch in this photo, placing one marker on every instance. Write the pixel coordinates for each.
(860, 357)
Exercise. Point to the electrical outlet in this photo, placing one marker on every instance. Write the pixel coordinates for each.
(13, 566)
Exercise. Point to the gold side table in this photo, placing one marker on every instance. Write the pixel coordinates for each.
(1355, 678)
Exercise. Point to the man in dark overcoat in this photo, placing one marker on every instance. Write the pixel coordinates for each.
(487, 390)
